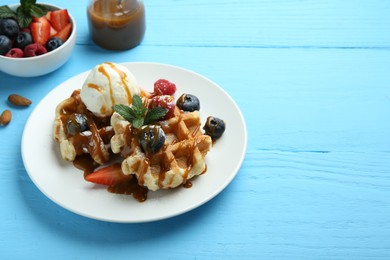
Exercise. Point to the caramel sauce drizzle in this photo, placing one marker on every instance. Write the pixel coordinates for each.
(187, 184)
(94, 86)
(130, 187)
(85, 163)
(190, 161)
(195, 132)
(142, 171)
(102, 70)
(124, 81)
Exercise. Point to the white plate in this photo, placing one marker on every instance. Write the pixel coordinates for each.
(64, 184)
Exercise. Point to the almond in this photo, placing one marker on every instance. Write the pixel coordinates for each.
(5, 117)
(19, 100)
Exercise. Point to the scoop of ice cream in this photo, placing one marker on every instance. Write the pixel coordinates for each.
(108, 84)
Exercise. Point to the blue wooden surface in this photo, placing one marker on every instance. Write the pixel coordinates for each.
(312, 80)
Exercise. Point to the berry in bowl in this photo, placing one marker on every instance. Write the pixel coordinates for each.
(35, 39)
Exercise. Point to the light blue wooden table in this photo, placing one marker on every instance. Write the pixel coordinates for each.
(312, 79)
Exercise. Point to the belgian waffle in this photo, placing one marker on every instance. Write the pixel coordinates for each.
(181, 158)
(94, 141)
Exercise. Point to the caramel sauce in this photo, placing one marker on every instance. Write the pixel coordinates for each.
(124, 81)
(187, 184)
(162, 173)
(116, 25)
(94, 86)
(196, 131)
(96, 145)
(102, 70)
(86, 164)
(131, 142)
(130, 187)
(190, 158)
(142, 171)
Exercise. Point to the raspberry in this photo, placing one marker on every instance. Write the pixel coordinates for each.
(15, 53)
(34, 49)
(164, 87)
(165, 101)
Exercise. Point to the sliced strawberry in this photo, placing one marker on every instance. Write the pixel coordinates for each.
(65, 32)
(42, 19)
(109, 175)
(48, 15)
(52, 31)
(40, 32)
(59, 19)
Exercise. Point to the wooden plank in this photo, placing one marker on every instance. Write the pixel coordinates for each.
(262, 23)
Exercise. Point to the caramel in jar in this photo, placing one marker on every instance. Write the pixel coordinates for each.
(116, 24)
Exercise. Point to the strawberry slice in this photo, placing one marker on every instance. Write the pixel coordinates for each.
(40, 32)
(43, 19)
(65, 32)
(48, 14)
(109, 175)
(52, 31)
(59, 19)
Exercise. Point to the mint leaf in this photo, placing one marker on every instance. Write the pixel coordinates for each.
(24, 19)
(27, 2)
(24, 13)
(138, 115)
(137, 102)
(138, 106)
(138, 122)
(45, 9)
(25, 8)
(125, 111)
(154, 114)
(37, 11)
(6, 12)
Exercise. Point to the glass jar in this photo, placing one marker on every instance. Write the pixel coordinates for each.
(116, 24)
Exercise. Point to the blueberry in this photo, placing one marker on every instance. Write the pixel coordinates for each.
(53, 43)
(151, 138)
(188, 102)
(214, 127)
(5, 44)
(77, 123)
(9, 28)
(23, 39)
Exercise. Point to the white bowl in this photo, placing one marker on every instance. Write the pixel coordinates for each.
(43, 64)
